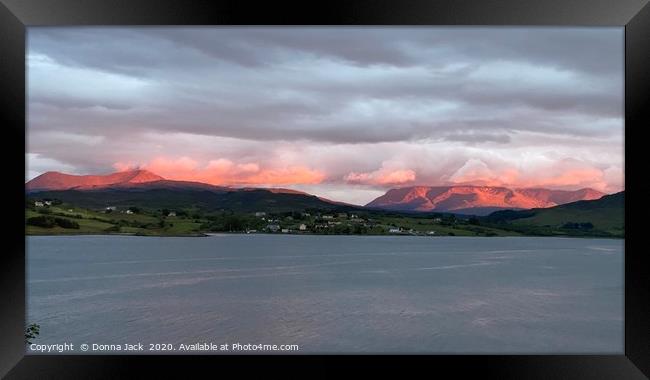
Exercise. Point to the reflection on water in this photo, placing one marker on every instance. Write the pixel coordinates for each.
(348, 294)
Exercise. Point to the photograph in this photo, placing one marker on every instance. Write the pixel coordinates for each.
(300, 190)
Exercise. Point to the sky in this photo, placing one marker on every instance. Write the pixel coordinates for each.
(343, 113)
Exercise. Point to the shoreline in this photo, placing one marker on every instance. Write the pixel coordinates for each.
(211, 234)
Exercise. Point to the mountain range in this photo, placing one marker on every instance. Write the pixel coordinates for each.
(143, 187)
(476, 200)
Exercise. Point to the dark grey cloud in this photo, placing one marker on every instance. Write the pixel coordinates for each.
(324, 84)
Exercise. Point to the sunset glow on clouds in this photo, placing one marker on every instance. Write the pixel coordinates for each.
(344, 113)
(225, 172)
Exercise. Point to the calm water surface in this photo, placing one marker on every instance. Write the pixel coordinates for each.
(338, 294)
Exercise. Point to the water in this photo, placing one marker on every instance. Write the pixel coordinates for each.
(330, 294)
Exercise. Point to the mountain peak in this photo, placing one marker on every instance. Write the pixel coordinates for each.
(53, 180)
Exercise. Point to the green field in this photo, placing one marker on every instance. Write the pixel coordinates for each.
(99, 222)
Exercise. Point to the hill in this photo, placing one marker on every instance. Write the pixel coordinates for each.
(604, 216)
(250, 200)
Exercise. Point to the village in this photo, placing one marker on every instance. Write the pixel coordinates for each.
(335, 223)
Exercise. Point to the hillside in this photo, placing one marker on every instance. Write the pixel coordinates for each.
(141, 188)
(604, 215)
(250, 200)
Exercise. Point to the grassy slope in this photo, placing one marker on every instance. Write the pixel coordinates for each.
(606, 214)
(93, 222)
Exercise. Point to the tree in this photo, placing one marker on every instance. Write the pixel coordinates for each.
(66, 223)
(41, 221)
(31, 332)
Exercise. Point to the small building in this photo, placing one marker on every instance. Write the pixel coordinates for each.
(327, 217)
(38, 204)
(394, 230)
(129, 212)
(437, 220)
(306, 214)
(354, 216)
(251, 231)
(260, 214)
(111, 208)
(172, 213)
(49, 203)
(273, 227)
(285, 230)
(302, 227)
(431, 233)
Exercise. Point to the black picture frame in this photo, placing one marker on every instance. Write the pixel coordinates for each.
(16, 15)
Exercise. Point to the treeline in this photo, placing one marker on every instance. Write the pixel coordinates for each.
(46, 221)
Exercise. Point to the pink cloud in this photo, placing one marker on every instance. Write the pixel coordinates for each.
(563, 174)
(228, 173)
(382, 176)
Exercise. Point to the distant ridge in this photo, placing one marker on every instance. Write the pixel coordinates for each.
(478, 200)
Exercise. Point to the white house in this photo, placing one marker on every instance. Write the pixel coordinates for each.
(172, 213)
(302, 227)
(112, 208)
(285, 230)
(129, 212)
(394, 231)
(327, 217)
(260, 213)
(38, 204)
(431, 233)
(49, 203)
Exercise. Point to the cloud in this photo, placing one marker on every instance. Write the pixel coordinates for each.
(352, 85)
(346, 112)
(563, 174)
(382, 177)
(225, 172)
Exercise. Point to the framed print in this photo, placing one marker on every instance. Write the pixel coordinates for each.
(350, 184)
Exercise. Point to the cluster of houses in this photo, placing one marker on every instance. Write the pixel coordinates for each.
(323, 222)
(130, 211)
(319, 222)
(402, 231)
(276, 227)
